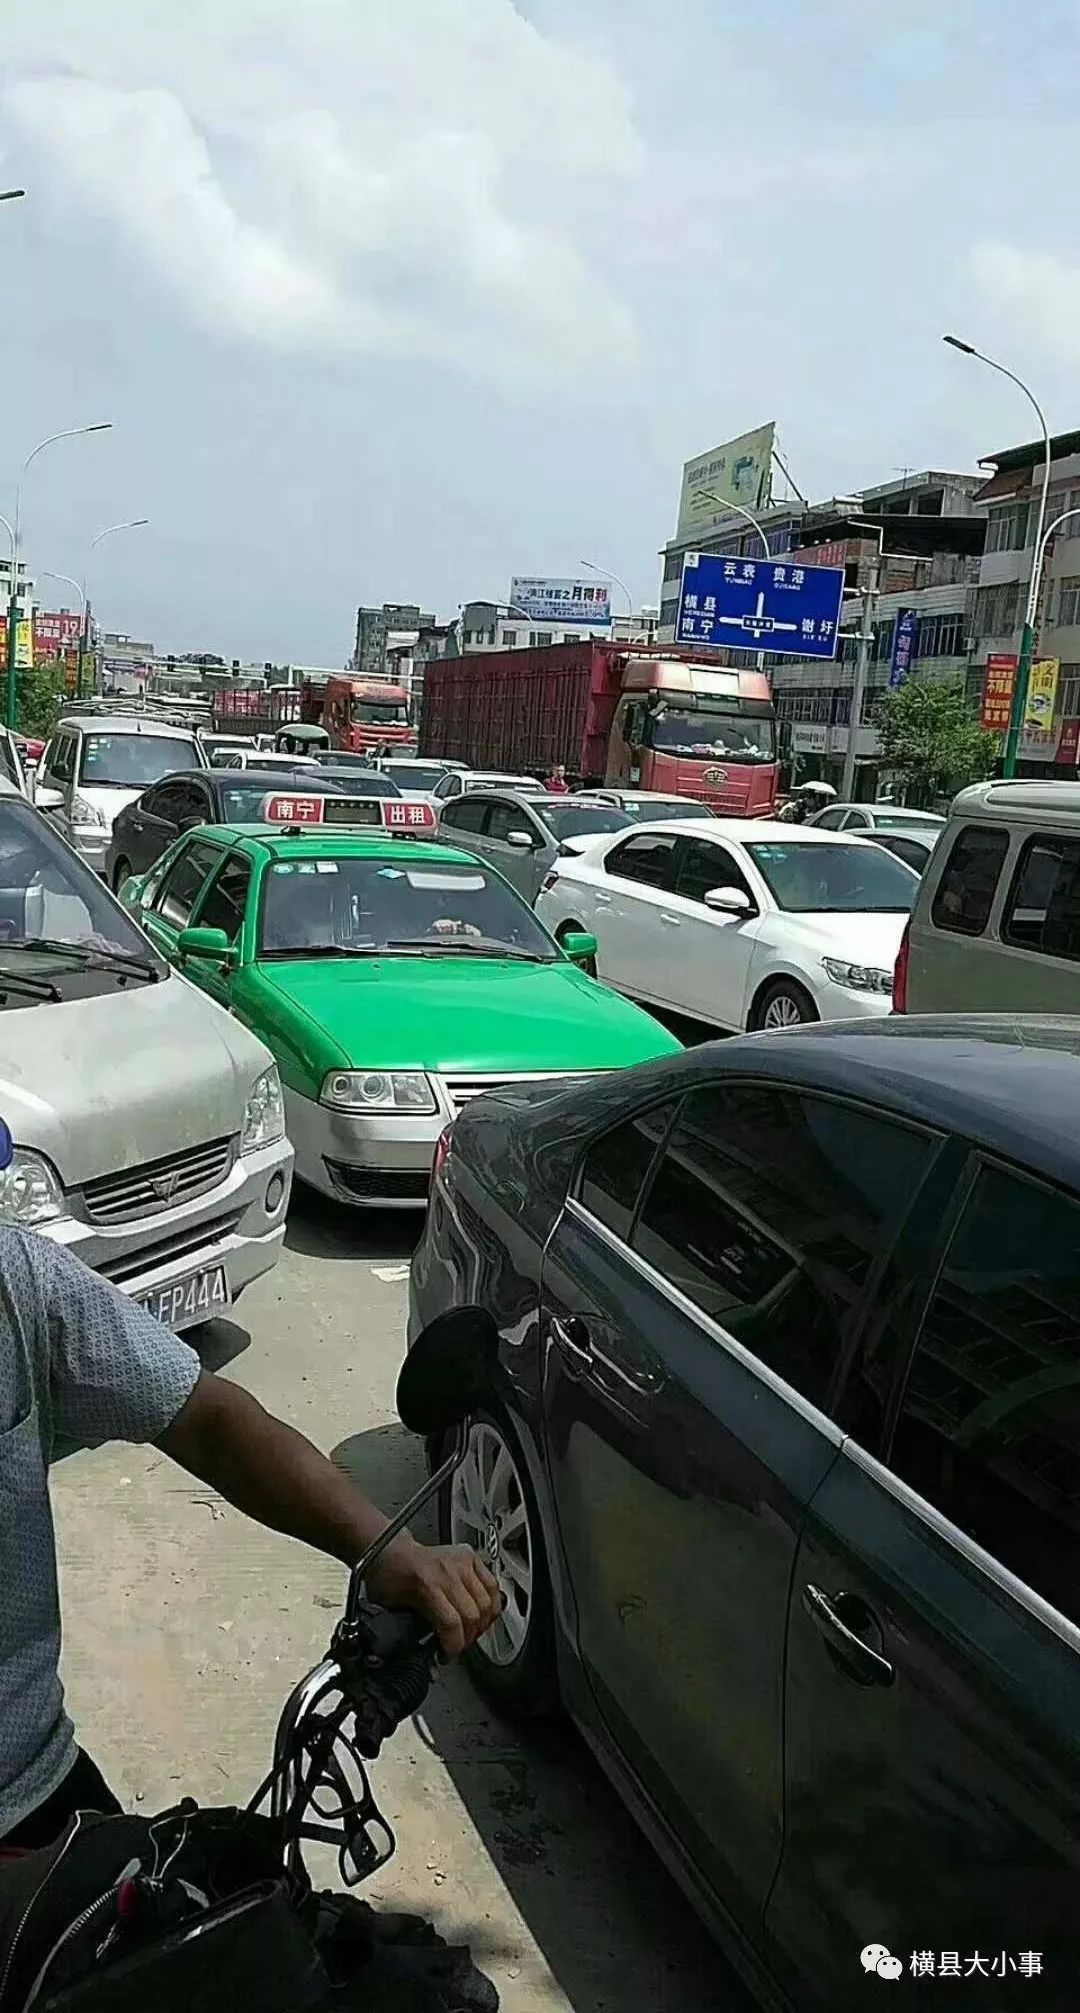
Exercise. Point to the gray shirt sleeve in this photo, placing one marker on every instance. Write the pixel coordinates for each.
(114, 1372)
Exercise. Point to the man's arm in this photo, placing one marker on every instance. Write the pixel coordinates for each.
(224, 1437)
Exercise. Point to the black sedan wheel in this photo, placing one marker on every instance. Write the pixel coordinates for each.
(488, 1505)
(121, 873)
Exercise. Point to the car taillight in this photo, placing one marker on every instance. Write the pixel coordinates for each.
(900, 971)
(442, 1152)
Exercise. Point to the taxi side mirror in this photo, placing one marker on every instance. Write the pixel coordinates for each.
(580, 946)
(212, 944)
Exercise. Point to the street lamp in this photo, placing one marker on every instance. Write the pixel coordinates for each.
(606, 574)
(11, 195)
(129, 524)
(14, 532)
(710, 496)
(1027, 641)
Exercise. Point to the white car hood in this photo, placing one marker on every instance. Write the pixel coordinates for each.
(858, 938)
(100, 1085)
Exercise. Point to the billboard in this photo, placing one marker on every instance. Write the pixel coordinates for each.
(1001, 668)
(560, 600)
(737, 472)
(1042, 695)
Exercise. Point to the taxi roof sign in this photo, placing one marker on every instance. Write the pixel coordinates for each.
(360, 814)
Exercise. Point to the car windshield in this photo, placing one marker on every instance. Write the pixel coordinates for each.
(414, 775)
(338, 905)
(377, 713)
(357, 782)
(241, 802)
(735, 737)
(132, 761)
(822, 879)
(47, 893)
(655, 810)
(340, 758)
(898, 821)
(225, 744)
(575, 821)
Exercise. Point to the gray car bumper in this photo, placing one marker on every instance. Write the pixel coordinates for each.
(239, 1225)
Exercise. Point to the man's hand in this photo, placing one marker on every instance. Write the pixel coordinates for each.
(446, 1583)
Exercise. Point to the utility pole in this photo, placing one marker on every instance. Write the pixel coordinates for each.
(870, 594)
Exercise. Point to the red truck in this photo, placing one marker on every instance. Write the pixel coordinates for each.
(358, 714)
(610, 713)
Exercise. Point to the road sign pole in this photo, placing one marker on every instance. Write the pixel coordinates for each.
(1019, 704)
(862, 666)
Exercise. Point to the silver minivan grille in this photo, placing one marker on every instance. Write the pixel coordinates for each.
(159, 1184)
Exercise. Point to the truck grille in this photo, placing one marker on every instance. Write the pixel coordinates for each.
(159, 1184)
(460, 1090)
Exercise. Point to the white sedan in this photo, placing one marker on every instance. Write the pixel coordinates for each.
(754, 925)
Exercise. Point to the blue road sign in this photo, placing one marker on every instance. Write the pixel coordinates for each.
(754, 604)
(903, 650)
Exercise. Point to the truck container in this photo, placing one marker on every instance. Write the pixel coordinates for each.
(657, 719)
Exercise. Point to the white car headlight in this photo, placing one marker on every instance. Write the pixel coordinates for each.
(85, 813)
(264, 1114)
(29, 1190)
(404, 1090)
(858, 978)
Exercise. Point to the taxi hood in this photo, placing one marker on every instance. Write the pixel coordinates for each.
(461, 1013)
(99, 1085)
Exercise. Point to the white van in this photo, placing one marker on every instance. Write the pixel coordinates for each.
(95, 764)
(996, 922)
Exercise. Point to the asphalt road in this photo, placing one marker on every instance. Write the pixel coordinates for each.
(186, 1626)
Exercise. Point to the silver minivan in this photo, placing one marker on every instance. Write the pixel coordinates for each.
(95, 764)
(148, 1124)
(996, 921)
(524, 832)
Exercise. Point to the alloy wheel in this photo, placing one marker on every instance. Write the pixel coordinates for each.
(488, 1512)
(782, 1011)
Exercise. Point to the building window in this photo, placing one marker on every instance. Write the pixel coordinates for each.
(1007, 529)
(509, 638)
(1068, 610)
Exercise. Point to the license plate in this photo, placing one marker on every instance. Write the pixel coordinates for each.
(197, 1298)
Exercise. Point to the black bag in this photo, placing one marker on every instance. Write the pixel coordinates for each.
(177, 1913)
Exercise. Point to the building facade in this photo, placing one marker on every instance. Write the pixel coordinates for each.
(376, 627)
(1010, 497)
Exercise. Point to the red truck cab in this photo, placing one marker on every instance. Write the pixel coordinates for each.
(694, 731)
(362, 714)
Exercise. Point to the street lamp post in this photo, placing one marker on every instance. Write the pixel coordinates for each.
(48, 574)
(67, 433)
(1027, 640)
(710, 496)
(129, 524)
(11, 195)
(605, 573)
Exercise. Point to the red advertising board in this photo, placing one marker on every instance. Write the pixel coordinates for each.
(998, 691)
(1068, 747)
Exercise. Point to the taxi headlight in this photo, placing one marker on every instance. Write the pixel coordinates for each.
(403, 1090)
(264, 1113)
(29, 1190)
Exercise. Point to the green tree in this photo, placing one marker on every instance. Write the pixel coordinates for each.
(929, 735)
(40, 694)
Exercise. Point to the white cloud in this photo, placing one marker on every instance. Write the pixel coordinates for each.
(341, 174)
(1038, 292)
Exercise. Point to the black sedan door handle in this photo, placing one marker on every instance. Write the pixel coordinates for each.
(857, 1656)
(572, 1337)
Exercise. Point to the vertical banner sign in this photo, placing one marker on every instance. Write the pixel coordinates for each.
(1042, 694)
(1068, 747)
(998, 691)
(903, 650)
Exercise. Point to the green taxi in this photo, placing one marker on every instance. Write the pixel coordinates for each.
(392, 978)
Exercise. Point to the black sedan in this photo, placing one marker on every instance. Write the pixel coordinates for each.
(143, 830)
(780, 1476)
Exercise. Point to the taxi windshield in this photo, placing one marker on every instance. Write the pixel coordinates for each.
(327, 905)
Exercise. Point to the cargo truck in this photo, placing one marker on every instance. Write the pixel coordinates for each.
(659, 719)
(358, 714)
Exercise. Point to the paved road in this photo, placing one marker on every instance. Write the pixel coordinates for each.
(186, 1625)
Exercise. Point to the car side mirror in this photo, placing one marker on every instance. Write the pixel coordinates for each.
(129, 891)
(730, 901)
(521, 840)
(48, 799)
(580, 946)
(213, 944)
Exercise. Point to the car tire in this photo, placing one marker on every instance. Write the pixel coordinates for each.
(782, 1003)
(571, 930)
(121, 871)
(513, 1666)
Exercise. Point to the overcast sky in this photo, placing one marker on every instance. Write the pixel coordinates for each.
(390, 301)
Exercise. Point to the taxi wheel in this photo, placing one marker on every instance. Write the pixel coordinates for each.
(121, 872)
(588, 965)
(489, 1506)
(784, 1003)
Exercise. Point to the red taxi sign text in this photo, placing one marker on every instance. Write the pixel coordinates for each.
(395, 814)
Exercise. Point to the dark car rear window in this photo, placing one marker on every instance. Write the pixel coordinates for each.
(964, 895)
